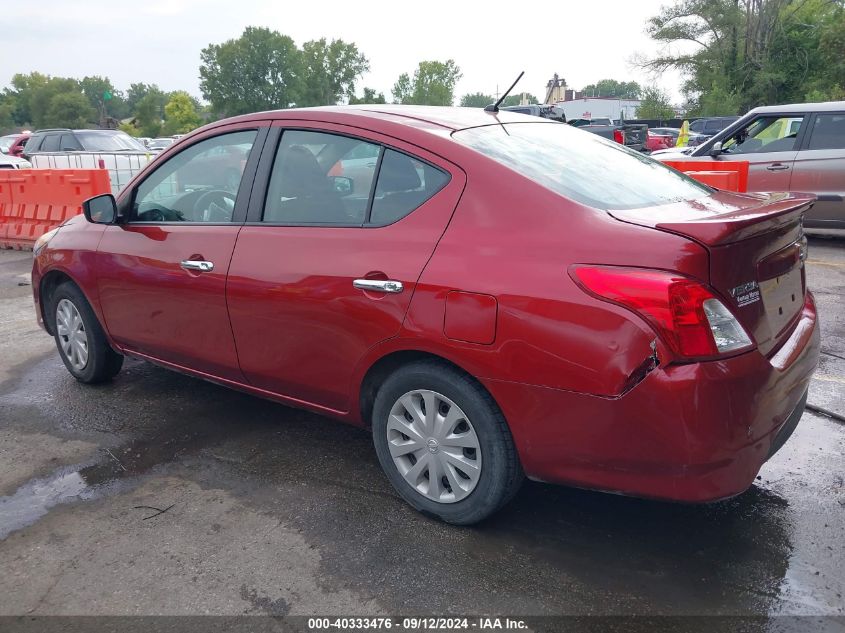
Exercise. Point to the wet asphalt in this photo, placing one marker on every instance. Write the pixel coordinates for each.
(163, 494)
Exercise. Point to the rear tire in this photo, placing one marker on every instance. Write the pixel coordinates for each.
(430, 417)
(80, 339)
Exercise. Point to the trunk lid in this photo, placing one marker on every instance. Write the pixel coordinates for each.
(757, 251)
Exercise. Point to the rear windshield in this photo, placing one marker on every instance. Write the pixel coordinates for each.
(581, 166)
(109, 142)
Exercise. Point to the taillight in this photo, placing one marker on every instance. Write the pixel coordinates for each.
(619, 136)
(685, 313)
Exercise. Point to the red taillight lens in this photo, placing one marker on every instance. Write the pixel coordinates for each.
(680, 309)
(619, 136)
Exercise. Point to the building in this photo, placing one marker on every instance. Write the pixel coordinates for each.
(594, 107)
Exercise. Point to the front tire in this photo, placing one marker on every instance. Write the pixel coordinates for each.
(80, 339)
(444, 444)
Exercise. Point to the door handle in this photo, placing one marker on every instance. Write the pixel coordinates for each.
(777, 167)
(379, 285)
(201, 266)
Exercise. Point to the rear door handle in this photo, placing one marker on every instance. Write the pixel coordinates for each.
(378, 285)
(777, 167)
(201, 266)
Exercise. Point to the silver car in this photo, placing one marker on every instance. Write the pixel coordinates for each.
(799, 147)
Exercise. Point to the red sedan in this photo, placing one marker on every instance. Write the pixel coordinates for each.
(501, 296)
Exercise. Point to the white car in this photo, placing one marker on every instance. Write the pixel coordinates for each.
(13, 162)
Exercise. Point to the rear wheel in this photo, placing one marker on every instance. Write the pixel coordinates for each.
(80, 339)
(444, 444)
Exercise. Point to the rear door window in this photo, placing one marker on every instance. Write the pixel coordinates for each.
(404, 183)
(50, 143)
(68, 143)
(828, 132)
(320, 178)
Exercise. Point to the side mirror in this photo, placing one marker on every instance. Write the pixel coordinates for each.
(341, 184)
(716, 150)
(100, 209)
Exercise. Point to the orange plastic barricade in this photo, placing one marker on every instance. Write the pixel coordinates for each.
(704, 170)
(34, 201)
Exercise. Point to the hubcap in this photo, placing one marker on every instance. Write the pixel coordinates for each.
(434, 446)
(72, 336)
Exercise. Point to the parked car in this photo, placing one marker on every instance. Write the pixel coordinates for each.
(798, 147)
(507, 298)
(661, 138)
(703, 129)
(159, 144)
(63, 140)
(13, 162)
(631, 135)
(13, 144)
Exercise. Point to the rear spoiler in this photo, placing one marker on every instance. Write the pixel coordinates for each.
(765, 212)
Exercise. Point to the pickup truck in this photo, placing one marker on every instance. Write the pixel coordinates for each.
(631, 135)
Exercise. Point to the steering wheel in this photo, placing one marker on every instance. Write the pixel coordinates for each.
(223, 200)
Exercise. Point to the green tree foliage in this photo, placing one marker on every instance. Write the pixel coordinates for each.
(261, 70)
(370, 96)
(329, 71)
(515, 100)
(149, 115)
(95, 90)
(180, 114)
(476, 100)
(70, 109)
(655, 104)
(433, 84)
(738, 55)
(613, 88)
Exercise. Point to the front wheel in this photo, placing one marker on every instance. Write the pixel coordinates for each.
(80, 339)
(444, 444)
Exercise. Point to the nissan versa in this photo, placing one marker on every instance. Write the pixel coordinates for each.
(494, 295)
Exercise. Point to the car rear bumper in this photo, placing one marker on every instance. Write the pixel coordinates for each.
(697, 432)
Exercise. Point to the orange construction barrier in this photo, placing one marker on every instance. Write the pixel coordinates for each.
(34, 201)
(730, 175)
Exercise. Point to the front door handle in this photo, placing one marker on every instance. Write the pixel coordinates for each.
(201, 266)
(777, 167)
(379, 285)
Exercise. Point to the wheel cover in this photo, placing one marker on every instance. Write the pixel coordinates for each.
(72, 335)
(434, 446)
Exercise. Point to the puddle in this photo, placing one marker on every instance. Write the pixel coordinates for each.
(35, 498)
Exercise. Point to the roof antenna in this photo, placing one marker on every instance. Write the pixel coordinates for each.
(495, 106)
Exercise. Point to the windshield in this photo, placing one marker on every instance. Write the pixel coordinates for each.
(582, 166)
(161, 142)
(108, 142)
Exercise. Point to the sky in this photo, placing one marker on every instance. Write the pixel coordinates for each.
(159, 41)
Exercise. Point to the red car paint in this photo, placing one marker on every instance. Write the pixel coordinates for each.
(655, 141)
(486, 268)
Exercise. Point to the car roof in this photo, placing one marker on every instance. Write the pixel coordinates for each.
(443, 117)
(827, 106)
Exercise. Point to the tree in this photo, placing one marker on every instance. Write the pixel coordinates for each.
(613, 88)
(103, 97)
(751, 52)
(329, 71)
(261, 70)
(515, 100)
(476, 100)
(69, 109)
(370, 96)
(180, 115)
(150, 112)
(433, 84)
(655, 104)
